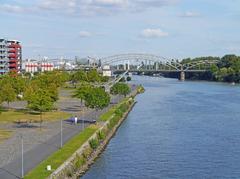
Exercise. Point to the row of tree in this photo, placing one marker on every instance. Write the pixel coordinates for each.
(226, 70)
(41, 91)
(97, 97)
(91, 76)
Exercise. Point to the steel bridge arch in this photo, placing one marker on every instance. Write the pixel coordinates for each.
(141, 57)
(172, 63)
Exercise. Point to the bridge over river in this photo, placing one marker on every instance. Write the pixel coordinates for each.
(139, 62)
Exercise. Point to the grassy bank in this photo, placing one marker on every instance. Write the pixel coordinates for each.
(60, 156)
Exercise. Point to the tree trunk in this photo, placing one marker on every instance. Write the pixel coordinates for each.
(40, 120)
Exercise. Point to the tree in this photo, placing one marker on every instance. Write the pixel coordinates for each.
(82, 92)
(8, 93)
(41, 101)
(97, 98)
(93, 76)
(79, 76)
(120, 89)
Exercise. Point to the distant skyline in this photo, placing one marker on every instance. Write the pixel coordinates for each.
(99, 28)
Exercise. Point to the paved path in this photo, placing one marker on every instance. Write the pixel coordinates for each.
(42, 150)
(38, 153)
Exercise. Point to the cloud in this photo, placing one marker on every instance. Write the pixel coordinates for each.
(89, 7)
(153, 33)
(85, 34)
(13, 8)
(190, 14)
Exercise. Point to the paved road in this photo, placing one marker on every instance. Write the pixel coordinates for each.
(40, 152)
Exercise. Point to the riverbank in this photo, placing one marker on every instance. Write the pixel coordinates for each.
(73, 158)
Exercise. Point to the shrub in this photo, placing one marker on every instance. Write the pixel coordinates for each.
(86, 153)
(93, 143)
(101, 135)
(118, 112)
(78, 162)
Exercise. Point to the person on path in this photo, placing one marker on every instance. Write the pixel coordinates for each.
(75, 120)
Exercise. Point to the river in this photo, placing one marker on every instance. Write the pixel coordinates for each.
(177, 130)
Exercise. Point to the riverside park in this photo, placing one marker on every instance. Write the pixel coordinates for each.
(41, 126)
(119, 89)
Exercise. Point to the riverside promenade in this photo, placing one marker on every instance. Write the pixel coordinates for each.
(38, 147)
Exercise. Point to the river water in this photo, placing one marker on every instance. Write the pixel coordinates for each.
(177, 130)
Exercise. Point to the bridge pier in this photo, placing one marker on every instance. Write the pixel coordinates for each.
(182, 76)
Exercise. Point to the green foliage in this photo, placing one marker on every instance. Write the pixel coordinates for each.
(101, 135)
(40, 100)
(82, 91)
(94, 97)
(97, 98)
(79, 76)
(93, 143)
(93, 76)
(78, 162)
(120, 88)
(7, 92)
(226, 70)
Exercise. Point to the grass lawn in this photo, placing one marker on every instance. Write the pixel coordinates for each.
(5, 134)
(60, 156)
(16, 115)
(111, 112)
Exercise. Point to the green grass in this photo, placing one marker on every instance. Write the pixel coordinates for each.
(5, 134)
(21, 115)
(111, 112)
(60, 156)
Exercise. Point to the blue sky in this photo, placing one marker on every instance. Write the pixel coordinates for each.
(99, 28)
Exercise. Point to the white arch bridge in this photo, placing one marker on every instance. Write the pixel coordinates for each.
(138, 62)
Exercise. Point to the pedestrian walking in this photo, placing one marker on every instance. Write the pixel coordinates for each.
(75, 120)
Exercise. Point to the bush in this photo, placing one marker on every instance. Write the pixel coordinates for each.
(86, 153)
(118, 112)
(101, 135)
(78, 162)
(93, 143)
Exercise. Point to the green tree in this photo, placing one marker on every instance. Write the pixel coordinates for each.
(82, 92)
(79, 76)
(93, 76)
(120, 89)
(40, 101)
(97, 98)
(8, 93)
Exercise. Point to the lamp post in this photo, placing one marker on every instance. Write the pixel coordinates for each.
(22, 156)
(61, 134)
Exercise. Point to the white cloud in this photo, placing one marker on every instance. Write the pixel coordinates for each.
(85, 34)
(153, 33)
(12, 8)
(190, 14)
(89, 7)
